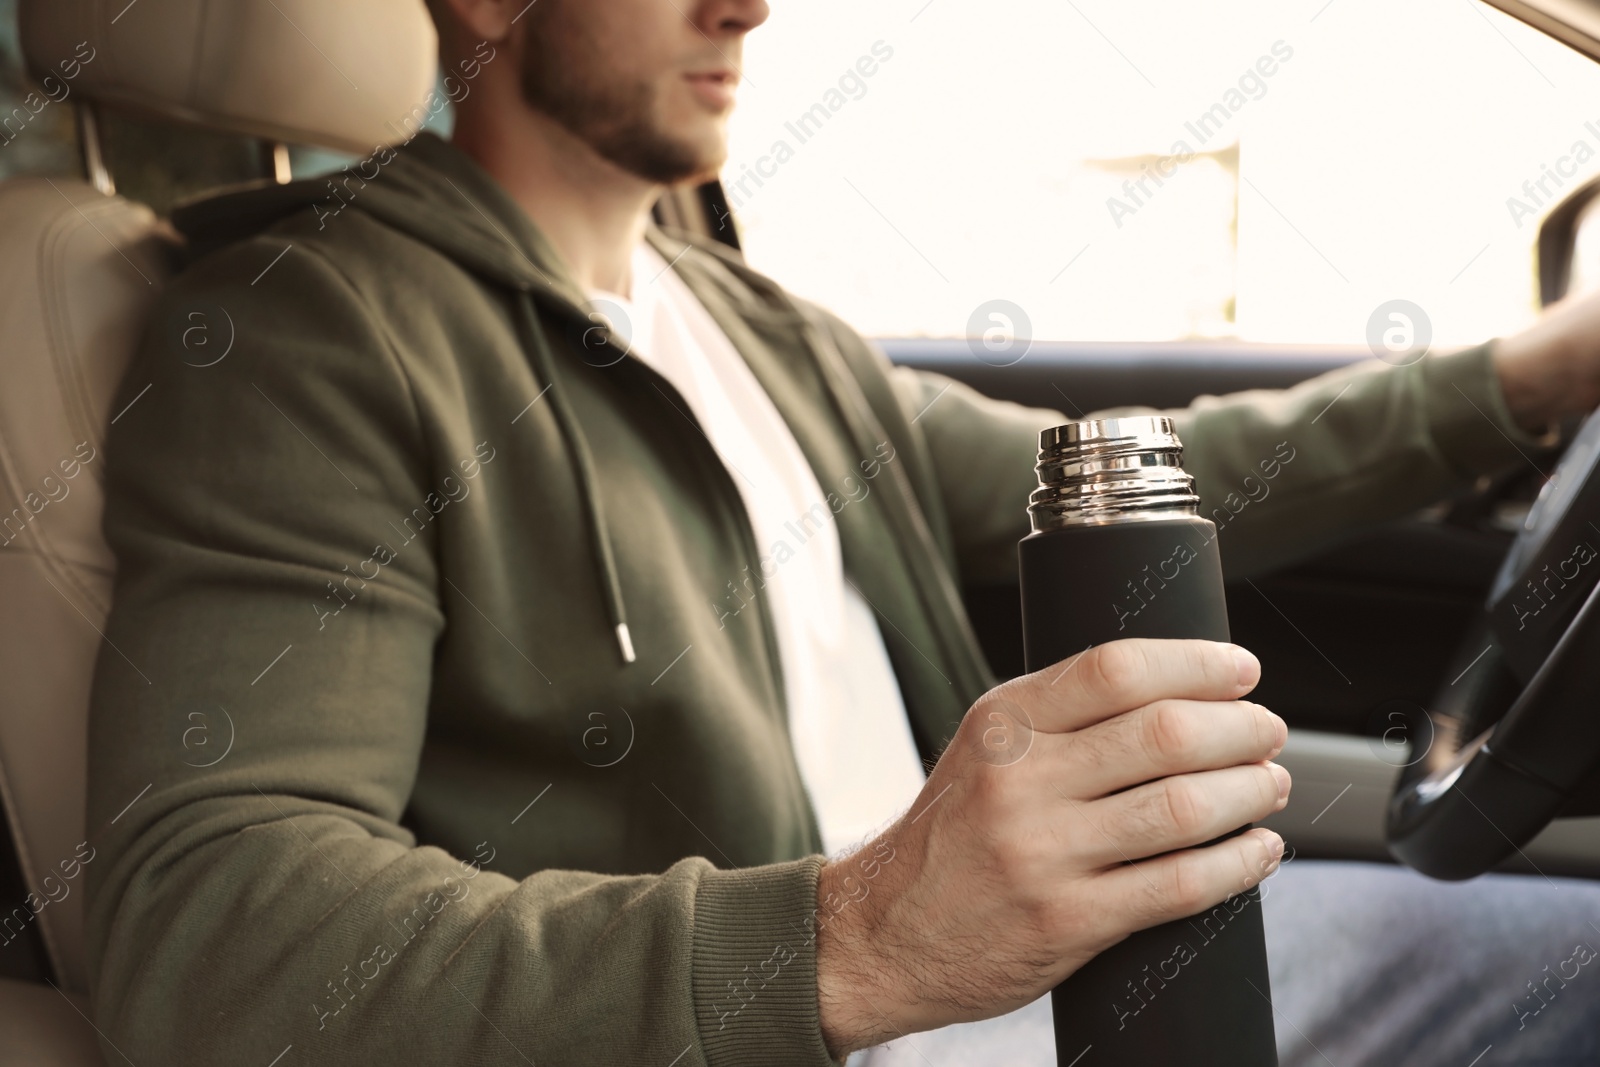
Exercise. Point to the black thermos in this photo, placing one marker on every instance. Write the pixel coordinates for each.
(1118, 550)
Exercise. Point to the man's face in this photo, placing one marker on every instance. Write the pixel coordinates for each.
(648, 84)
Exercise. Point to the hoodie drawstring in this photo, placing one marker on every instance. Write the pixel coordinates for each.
(534, 342)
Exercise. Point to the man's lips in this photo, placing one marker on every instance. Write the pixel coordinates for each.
(714, 87)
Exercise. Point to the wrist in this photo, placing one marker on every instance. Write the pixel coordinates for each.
(1526, 393)
(1551, 370)
(855, 975)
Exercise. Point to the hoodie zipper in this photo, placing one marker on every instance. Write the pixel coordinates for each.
(731, 502)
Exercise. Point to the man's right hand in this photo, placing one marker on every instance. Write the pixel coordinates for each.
(1061, 818)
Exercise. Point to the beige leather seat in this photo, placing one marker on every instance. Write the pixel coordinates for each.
(78, 272)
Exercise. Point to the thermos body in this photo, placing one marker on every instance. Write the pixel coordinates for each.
(1119, 551)
(1086, 585)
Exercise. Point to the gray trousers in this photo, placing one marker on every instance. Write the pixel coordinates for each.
(1377, 966)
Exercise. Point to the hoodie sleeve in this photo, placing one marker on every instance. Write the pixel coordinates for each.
(255, 733)
(1282, 473)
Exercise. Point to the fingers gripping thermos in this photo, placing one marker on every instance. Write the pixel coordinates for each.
(1118, 549)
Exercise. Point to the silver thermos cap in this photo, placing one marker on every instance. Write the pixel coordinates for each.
(1110, 470)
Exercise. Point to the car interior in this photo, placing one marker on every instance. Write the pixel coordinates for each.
(194, 95)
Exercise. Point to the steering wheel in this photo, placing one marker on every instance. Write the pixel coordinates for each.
(1515, 736)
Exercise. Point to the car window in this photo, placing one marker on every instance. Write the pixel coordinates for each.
(1273, 171)
(37, 131)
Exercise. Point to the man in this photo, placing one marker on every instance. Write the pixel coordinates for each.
(557, 656)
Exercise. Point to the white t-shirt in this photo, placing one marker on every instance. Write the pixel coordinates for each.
(846, 717)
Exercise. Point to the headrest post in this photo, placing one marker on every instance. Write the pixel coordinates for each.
(94, 161)
(282, 172)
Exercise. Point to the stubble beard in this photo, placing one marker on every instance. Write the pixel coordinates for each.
(614, 116)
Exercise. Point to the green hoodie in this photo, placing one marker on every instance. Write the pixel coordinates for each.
(440, 718)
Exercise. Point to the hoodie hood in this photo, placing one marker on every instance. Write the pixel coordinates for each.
(437, 194)
(425, 188)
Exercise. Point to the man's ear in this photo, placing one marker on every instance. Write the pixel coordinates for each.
(477, 20)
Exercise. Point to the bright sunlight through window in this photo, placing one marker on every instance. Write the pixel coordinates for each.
(1272, 171)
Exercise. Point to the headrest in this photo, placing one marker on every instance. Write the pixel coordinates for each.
(343, 74)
